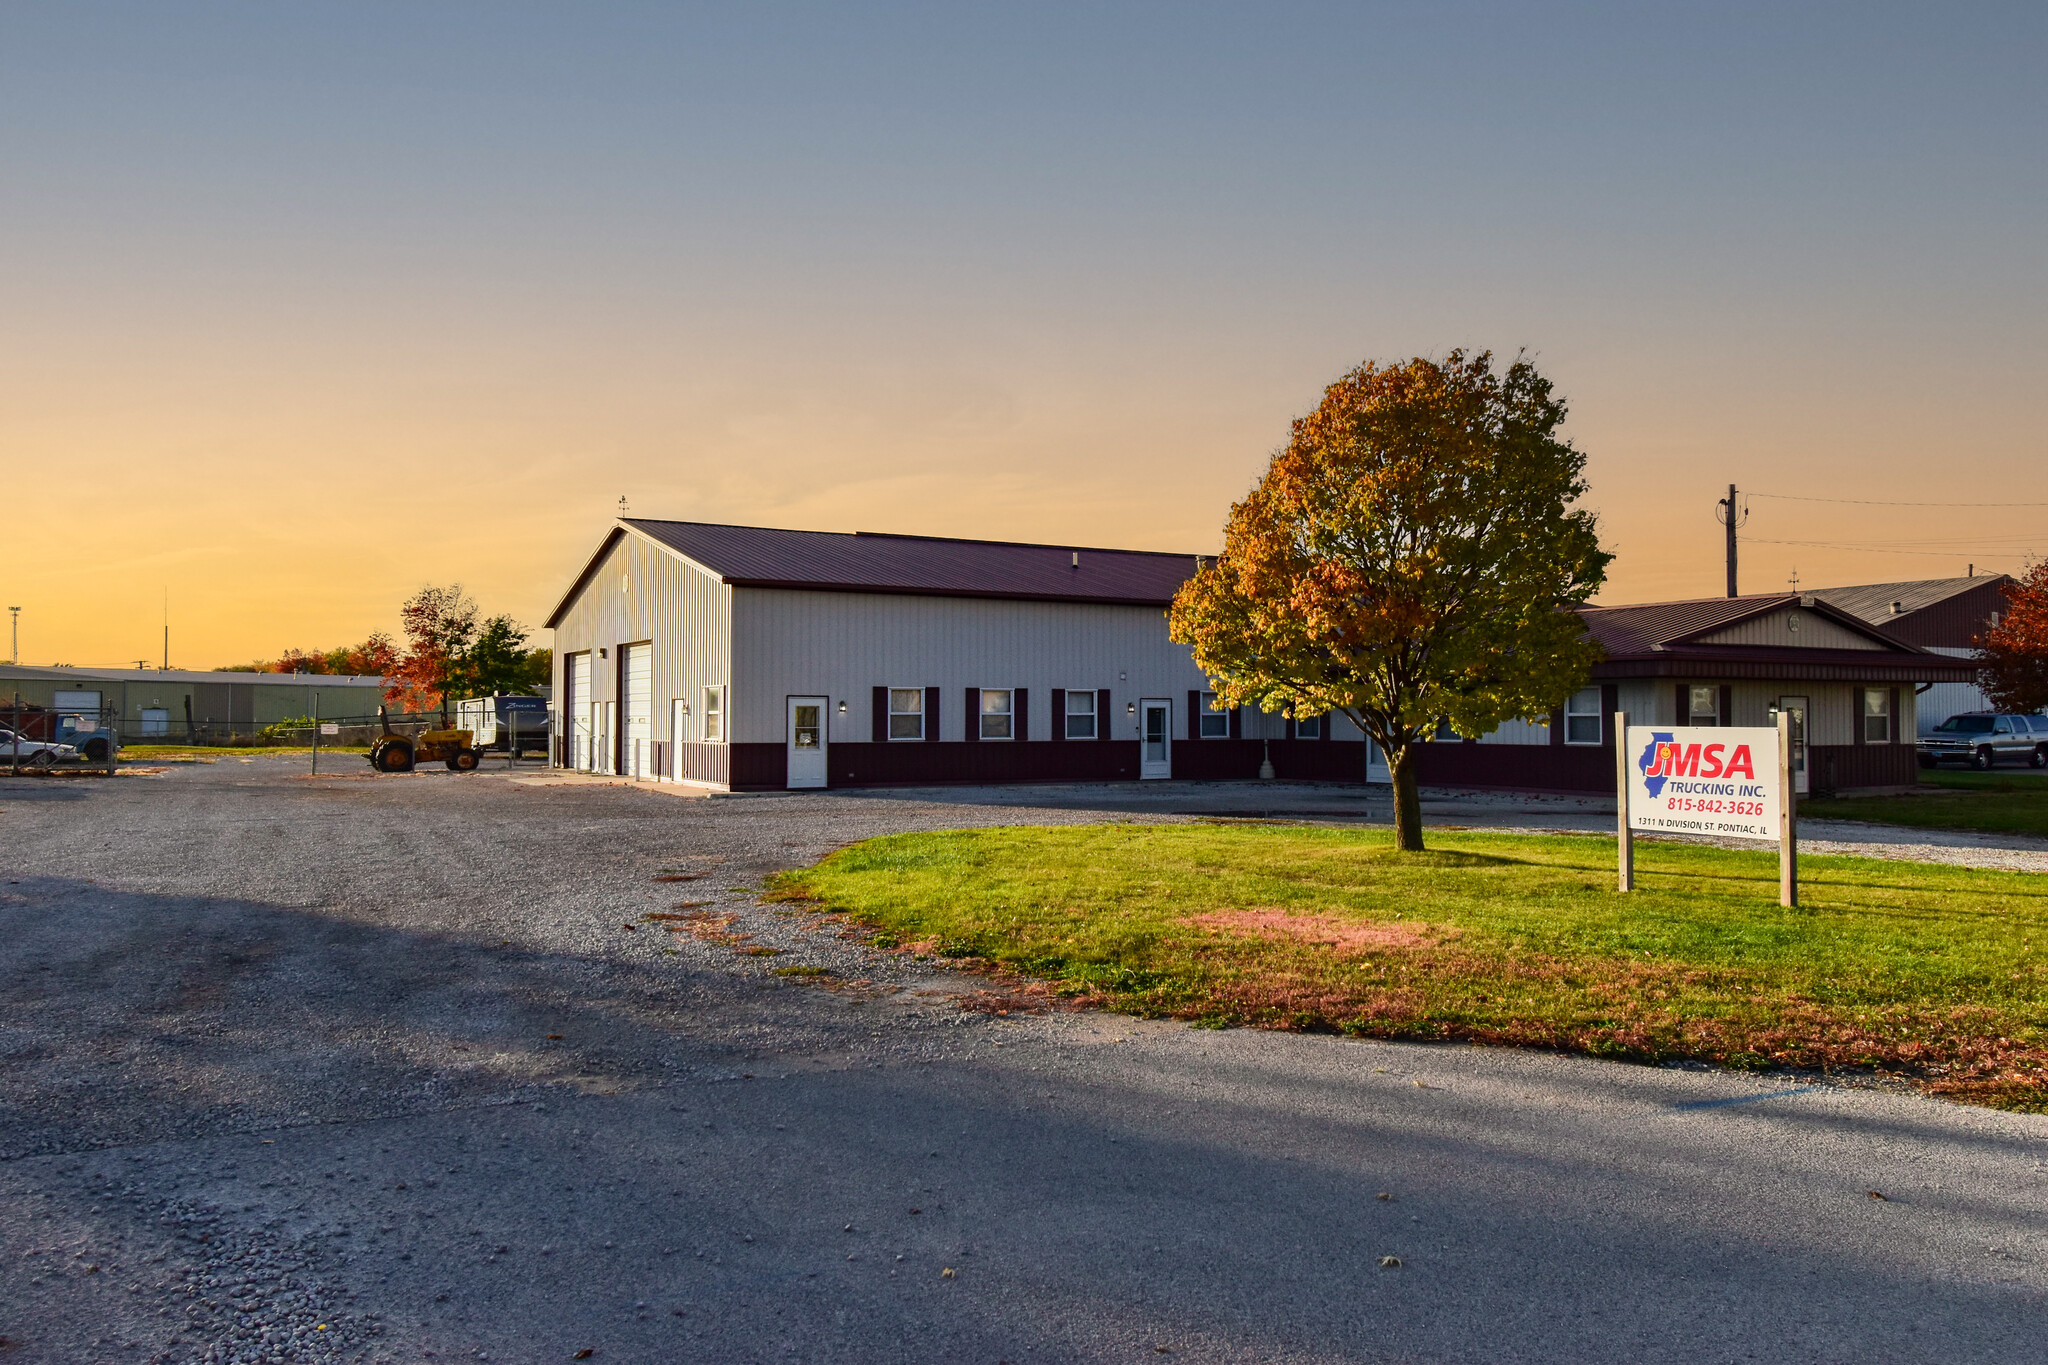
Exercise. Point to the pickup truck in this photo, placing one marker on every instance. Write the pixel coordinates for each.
(1983, 739)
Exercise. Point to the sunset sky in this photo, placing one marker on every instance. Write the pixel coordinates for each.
(302, 307)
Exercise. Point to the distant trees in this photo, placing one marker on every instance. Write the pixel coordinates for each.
(1411, 557)
(450, 650)
(451, 653)
(2015, 674)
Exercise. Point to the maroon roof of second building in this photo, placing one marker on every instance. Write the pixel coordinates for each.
(1659, 627)
(926, 566)
(1665, 638)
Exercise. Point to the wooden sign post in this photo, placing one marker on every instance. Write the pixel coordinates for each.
(1788, 817)
(1624, 833)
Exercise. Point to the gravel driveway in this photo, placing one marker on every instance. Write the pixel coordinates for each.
(371, 1068)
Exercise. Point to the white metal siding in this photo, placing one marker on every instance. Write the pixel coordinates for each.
(1815, 632)
(843, 645)
(643, 592)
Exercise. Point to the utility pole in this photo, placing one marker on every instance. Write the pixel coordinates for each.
(14, 654)
(1729, 515)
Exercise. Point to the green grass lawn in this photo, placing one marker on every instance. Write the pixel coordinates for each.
(1934, 973)
(2000, 803)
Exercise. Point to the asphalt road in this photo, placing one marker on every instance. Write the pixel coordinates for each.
(370, 1069)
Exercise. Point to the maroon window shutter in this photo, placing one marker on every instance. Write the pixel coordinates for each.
(1102, 714)
(1610, 702)
(931, 713)
(1020, 714)
(1329, 725)
(881, 715)
(1194, 713)
(971, 718)
(1897, 721)
(1727, 704)
(1059, 714)
(1557, 726)
(1684, 705)
(1856, 713)
(1290, 727)
(1237, 722)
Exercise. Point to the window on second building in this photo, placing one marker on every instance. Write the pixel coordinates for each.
(1309, 728)
(1080, 714)
(906, 713)
(1705, 708)
(1877, 716)
(1215, 724)
(1582, 719)
(714, 715)
(995, 712)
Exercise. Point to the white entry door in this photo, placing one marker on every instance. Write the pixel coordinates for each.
(807, 741)
(677, 731)
(1155, 721)
(1797, 707)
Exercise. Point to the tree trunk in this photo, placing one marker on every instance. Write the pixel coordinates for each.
(1407, 799)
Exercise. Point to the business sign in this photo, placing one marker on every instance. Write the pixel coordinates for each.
(330, 728)
(1698, 779)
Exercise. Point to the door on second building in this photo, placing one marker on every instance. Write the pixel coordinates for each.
(806, 742)
(1796, 708)
(1155, 724)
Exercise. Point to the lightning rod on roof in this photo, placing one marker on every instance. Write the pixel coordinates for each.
(622, 504)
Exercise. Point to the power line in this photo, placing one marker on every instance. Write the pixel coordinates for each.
(1876, 502)
(1881, 549)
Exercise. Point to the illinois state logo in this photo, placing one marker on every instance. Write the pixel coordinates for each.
(1663, 758)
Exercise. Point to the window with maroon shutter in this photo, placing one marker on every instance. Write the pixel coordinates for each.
(1058, 729)
(907, 718)
(931, 713)
(1020, 707)
(1102, 713)
(971, 713)
(881, 716)
(991, 716)
(1195, 713)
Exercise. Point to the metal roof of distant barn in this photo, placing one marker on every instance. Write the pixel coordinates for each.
(919, 566)
(1654, 627)
(1873, 601)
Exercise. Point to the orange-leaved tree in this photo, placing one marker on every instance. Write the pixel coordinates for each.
(1413, 555)
(440, 626)
(2015, 674)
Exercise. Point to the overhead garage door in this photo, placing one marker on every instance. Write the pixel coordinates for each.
(576, 707)
(637, 731)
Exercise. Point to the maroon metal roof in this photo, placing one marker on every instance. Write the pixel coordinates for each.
(1658, 627)
(932, 566)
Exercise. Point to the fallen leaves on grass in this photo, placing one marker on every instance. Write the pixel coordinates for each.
(1345, 937)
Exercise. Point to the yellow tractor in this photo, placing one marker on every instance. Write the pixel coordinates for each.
(395, 753)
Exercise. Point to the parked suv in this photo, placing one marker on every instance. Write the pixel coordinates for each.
(1983, 739)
